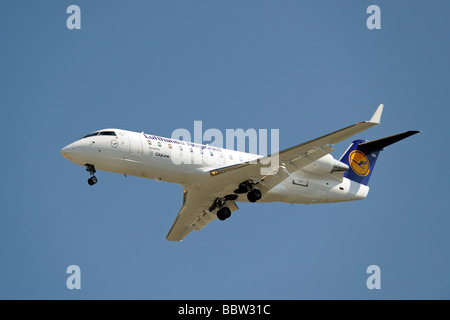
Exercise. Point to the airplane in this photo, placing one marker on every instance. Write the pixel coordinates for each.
(306, 173)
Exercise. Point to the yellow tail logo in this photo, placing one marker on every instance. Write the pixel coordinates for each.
(359, 163)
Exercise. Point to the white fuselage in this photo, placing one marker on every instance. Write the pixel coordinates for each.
(153, 157)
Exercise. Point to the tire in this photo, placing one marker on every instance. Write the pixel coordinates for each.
(226, 212)
(221, 215)
(92, 181)
(254, 195)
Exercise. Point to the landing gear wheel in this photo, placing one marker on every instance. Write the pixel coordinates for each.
(91, 169)
(224, 213)
(254, 195)
(92, 180)
(227, 212)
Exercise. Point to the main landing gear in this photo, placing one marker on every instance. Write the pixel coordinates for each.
(91, 169)
(253, 194)
(224, 212)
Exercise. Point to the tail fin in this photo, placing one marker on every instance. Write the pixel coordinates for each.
(362, 155)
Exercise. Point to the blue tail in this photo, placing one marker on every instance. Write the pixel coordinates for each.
(362, 155)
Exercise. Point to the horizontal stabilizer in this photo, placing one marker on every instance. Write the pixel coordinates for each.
(379, 144)
(362, 155)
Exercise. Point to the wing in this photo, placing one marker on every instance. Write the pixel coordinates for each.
(195, 213)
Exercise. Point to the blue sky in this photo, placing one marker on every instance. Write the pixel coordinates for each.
(304, 67)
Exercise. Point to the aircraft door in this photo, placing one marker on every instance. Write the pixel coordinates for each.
(135, 143)
(123, 141)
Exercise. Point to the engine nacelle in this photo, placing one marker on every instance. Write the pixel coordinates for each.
(325, 165)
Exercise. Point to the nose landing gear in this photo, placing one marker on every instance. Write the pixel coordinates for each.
(91, 169)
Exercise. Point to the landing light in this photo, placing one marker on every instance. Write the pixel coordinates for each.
(213, 173)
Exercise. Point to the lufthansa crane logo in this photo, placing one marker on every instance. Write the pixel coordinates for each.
(359, 163)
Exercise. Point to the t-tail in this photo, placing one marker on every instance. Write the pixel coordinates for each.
(362, 155)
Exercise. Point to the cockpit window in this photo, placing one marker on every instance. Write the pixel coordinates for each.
(91, 135)
(108, 133)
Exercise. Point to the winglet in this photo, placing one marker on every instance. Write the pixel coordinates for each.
(377, 115)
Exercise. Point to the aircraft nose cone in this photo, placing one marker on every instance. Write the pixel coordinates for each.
(78, 151)
(66, 151)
